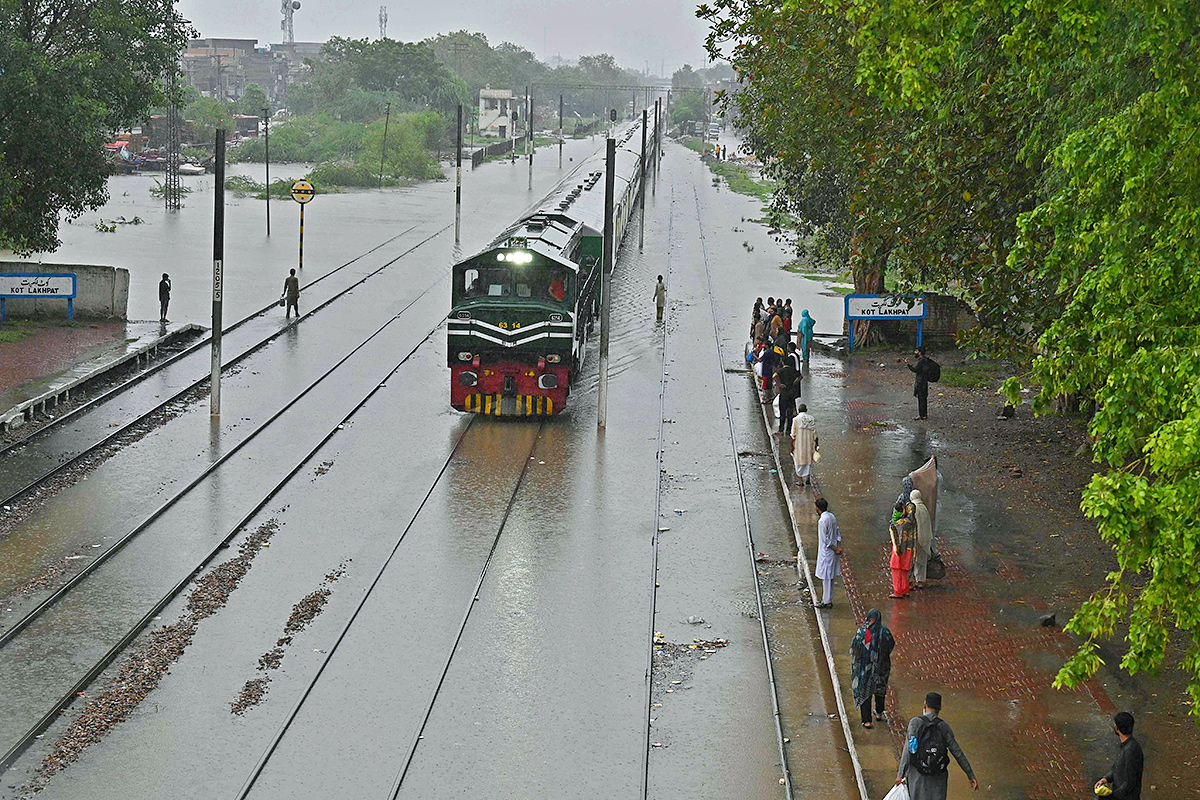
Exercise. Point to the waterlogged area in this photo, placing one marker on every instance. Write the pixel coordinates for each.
(337, 227)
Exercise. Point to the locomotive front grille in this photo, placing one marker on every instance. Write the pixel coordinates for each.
(526, 405)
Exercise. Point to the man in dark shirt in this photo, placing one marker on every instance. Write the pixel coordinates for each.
(787, 383)
(1125, 778)
(921, 382)
(164, 297)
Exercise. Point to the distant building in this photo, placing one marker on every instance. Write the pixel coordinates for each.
(223, 68)
(495, 112)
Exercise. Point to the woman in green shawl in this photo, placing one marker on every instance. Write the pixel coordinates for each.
(871, 665)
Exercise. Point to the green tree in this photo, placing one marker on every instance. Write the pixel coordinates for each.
(70, 72)
(253, 100)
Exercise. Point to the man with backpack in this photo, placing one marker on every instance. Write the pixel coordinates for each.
(927, 371)
(926, 755)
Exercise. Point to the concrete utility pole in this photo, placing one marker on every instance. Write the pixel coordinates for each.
(657, 145)
(642, 188)
(387, 117)
(606, 263)
(267, 157)
(214, 402)
(560, 130)
(529, 133)
(458, 179)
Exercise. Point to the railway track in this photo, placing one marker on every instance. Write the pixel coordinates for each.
(40, 613)
(733, 441)
(38, 474)
(470, 604)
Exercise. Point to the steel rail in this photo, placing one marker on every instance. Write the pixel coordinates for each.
(62, 703)
(204, 340)
(113, 435)
(7, 636)
(762, 621)
(261, 764)
(662, 404)
(512, 501)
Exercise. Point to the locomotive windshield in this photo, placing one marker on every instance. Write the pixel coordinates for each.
(523, 282)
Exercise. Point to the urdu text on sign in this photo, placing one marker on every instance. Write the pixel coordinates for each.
(37, 285)
(884, 306)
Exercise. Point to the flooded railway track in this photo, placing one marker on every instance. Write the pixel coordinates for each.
(43, 613)
(470, 606)
(23, 481)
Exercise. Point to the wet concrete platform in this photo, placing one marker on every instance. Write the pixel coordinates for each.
(41, 370)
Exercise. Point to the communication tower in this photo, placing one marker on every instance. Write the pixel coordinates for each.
(383, 22)
(288, 7)
(171, 192)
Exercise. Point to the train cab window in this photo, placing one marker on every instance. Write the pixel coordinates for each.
(486, 282)
(470, 282)
(523, 290)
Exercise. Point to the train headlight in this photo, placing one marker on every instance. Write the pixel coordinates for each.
(553, 358)
(467, 379)
(548, 381)
(464, 356)
(501, 257)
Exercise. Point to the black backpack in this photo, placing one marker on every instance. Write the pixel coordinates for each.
(933, 370)
(931, 755)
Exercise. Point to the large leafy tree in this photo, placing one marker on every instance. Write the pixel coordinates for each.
(71, 72)
(1051, 165)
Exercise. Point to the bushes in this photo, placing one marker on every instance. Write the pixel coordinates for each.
(347, 153)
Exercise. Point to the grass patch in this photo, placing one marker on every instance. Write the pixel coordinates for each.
(969, 376)
(15, 330)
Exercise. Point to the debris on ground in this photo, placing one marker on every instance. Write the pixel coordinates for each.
(145, 665)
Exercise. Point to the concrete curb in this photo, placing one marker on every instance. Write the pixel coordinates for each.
(803, 572)
(27, 410)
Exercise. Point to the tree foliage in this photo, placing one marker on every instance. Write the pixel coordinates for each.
(71, 72)
(1040, 160)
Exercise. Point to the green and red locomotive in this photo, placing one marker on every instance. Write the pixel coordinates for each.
(522, 309)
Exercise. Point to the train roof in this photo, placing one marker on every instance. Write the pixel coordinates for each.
(575, 207)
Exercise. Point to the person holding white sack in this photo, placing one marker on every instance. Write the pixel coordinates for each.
(804, 445)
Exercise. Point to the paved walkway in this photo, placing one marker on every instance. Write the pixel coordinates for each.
(49, 355)
(992, 662)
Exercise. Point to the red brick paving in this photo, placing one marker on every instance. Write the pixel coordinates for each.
(954, 642)
(51, 349)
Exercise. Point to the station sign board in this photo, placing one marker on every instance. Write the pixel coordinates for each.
(885, 306)
(37, 284)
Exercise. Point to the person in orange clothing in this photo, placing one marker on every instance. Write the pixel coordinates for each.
(903, 534)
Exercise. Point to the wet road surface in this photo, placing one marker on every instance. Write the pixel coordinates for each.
(546, 693)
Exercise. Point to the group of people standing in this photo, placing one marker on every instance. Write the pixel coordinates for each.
(911, 532)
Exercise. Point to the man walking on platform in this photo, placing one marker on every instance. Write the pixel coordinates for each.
(164, 297)
(926, 754)
(921, 382)
(829, 551)
(660, 297)
(291, 294)
(1124, 780)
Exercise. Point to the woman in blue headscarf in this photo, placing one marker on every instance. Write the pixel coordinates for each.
(871, 665)
(805, 329)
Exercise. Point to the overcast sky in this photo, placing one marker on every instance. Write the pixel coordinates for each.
(634, 31)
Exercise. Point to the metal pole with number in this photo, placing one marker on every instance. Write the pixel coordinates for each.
(657, 145)
(642, 187)
(214, 402)
(267, 158)
(529, 133)
(560, 130)
(610, 157)
(458, 178)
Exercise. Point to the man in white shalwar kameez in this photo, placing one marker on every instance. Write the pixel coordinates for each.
(829, 551)
(804, 444)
